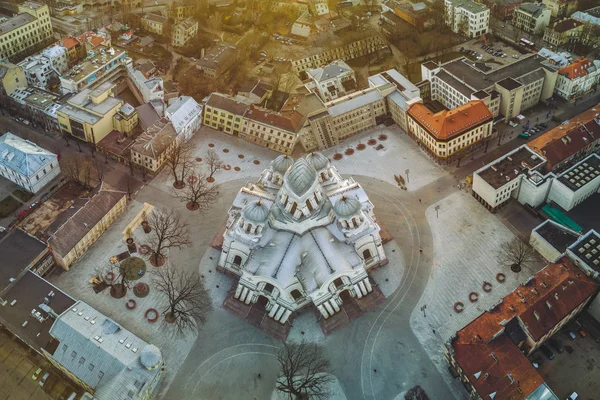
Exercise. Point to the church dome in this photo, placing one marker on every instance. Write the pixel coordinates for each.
(347, 206)
(301, 177)
(317, 160)
(256, 212)
(150, 356)
(282, 163)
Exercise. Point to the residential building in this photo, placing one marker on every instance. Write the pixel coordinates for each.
(64, 8)
(12, 77)
(76, 50)
(332, 81)
(89, 115)
(299, 205)
(577, 79)
(576, 184)
(37, 105)
(39, 71)
(103, 64)
(557, 59)
(507, 90)
(467, 17)
(399, 100)
(552, 239)
(417, 14)
(58, 56)
(26, 164)
(225, 113)
(145, 89)
(274, 130)
(256, 91)
(95, 38)
(22, 252)
(591, 16)
(217, 60)
(502, 9)
(152, 147)
(147, 115)
(186, 116)
(77, 228)
(179, 11)
(353, 47)
(449, 135)
(489, 355)
(563, 32)
(532, 18)
(126, 119)
(561, 8)
(25, 28)
(184, 31)
(104, 358)
(154, 23)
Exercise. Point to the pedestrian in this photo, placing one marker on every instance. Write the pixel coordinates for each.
(419, 200)
(259, 375)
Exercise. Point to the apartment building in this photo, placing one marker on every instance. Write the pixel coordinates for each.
(102, 65)
(73, 233)
(154, 23)
(561, 33)
(576, 184)
(416, 14)
(12, 77)
(125, 120)
(274, 130)
(467, 17)
(76, 50)
(577, 79)
(225, 113)
(502, 9)
(217, 60)
(591, 16)
(24, 28)
(26, 164)
(145, 89)
(179, 11)
(532, 18)
(37, 105)
(151, 148)
(183, 32)
(352, 49)
(561, 8)
(89, 115)
(450, 134)
(489, 355)
(332, 81)
(186, 116)
(585, 253)
(506, 90)
(39, 71)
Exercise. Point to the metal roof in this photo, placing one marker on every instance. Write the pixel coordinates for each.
(22, 156)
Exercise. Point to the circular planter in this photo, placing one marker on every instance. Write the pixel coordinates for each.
(382, 137)
(109, 277)
(131, 304)
(501, 277)
(178, 184)
(147, 229)
(118, 291)
(459, 307)
(227, 167)
(211, 145)
(349, 152)
(225, 150)
(198, 159)
(169, 318)
(256, 162)
(337, 156)
(192, 179)
(151, 315)
(473, 297)
(361, 146)
(515, 268)
(487, 287)
(192, 206)
(157, 263)
(131, 245)
(210, 179)
(133, 268)
(237, 169)
(372, 142)
(141, 289)
(240, 156)
(144, 249)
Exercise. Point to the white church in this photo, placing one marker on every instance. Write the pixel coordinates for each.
(301, 234)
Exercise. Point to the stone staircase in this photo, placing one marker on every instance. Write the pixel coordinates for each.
(371, 300)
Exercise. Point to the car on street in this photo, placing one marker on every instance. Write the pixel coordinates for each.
(523, 135)
(547, 352)
(582, 332)
(572, 335)
(556, 345)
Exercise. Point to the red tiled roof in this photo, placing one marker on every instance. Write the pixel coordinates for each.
(447, 124)
(577, 69)
(289, 120)
(69, 42)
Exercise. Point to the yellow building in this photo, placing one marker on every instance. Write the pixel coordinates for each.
(71, 240)
(90, 115)
(126, 119)
(12, 78)
(154, 23)
(152, 147)
(184, 31)
(225, 113)
(30, 28)
(179, 12)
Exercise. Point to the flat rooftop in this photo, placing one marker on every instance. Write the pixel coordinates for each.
(588, 249)
(16, 22)
(557, 235)
(18, 250)
(507, 168)
(581, 173)
(100, 58)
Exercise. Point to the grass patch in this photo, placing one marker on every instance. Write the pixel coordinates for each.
(8, 205)
(22, 195)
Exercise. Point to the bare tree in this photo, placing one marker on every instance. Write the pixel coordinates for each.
(110, 275)
(516, 254)
(416, 393)
(100, 168)
(86, 170)
(67, 137)
(214, 164)
(169, 232)
(188, 302)
(305, 371)
(180, 162)
(71, 164)
(199, 194)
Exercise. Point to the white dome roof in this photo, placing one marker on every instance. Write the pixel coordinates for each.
(256, 212)
(150, 356)
(318, 160)
(282, 163)
(301, 177)
(347, 206)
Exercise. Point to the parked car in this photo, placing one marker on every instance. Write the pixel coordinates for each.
(557, 345)
(547, 352)
(573, 396)
(572, 335)
(523, 135)
(43, 380)
(582, 332)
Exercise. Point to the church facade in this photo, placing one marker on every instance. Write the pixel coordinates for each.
(301, 235)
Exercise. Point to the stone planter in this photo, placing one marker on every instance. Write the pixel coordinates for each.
(131, 245)
(146, 227)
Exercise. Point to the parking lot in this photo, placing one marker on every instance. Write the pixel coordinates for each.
(498, 53)
(573, 370)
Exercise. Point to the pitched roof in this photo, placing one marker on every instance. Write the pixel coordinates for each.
(69, 42)
(182, 111)
(89, 211)
(566, 25)
(157, 138)
(224, 102)
(156, 18)
(330, 71)
(147, 114)
(23, 156)
(290, 121)
(578, 68)
(447, 124)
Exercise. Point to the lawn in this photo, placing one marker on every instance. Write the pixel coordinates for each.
(8, 205)
(22, 195)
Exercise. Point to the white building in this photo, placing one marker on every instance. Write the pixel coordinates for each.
(184, 31)
(577, 183)
(38, 71)
(26, 164)
(332, 81)
(467, 17)
(532, 18)
(148, 89)
(552, 239)
(58, 56)
(301, 235)
(577, 79)
(186, 116)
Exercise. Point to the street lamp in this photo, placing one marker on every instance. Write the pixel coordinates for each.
(437, 211)
(407, 172)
